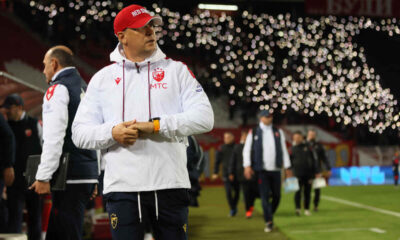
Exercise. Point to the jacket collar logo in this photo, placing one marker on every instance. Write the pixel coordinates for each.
(158, 74)
(117, 80)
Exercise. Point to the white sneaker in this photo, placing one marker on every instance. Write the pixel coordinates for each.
(307, 212)
(148, 236)
(268, 227)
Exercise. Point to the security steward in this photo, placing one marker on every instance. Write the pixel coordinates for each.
(27, 131)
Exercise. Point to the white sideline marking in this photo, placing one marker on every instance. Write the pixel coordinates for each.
(359, 205)
(376, 230)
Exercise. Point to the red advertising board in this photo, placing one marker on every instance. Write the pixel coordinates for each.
(371, 8)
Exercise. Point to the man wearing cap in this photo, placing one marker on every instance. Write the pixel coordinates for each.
(60, 103)
(27, 131)
(265, 154)
(139, 112)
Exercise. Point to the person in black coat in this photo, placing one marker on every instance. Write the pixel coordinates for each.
(396, 168)
(224, 157)
(321, 159)
(7, 157)
(303, 165)
(195, 165)
(27, 131)
(236, 172)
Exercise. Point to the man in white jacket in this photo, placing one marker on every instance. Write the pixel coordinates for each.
(139, 112)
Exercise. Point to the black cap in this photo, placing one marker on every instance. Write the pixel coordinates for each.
(13, 99)
(264, 113)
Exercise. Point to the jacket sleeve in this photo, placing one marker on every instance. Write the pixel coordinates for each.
(247, 150)
(197, 115)
(55, 122)
(286, 159)
(218, 161)
(7, 141)
(322, 157)
(88, 129)
(232, 161)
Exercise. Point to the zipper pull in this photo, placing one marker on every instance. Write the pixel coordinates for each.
(137, 67)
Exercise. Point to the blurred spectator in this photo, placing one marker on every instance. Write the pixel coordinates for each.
(236, 172)
(266, 154)
(195, 165)
(319, 154)
(396, 168)
(303, 165)
(28, 132)
(7, 158)
(224, 156)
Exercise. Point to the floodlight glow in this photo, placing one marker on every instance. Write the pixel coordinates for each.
(219, 7)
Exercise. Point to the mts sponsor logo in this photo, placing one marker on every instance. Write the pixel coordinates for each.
(159, 86)
(360, 7)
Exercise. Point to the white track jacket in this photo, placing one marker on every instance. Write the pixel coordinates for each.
(124, 91)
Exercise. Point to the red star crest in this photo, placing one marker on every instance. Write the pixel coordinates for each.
(50, 92)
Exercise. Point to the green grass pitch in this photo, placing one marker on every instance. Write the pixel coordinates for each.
(334, 220)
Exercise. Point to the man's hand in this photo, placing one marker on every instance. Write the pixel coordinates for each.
(214, 177)
(40, 187)
(143, 127)
(288, 173)
(329, 174)
(248, 173)
(94, 193)
(9, 176)
(124, 133)
(231, 177)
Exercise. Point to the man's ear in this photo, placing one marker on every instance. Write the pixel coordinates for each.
(121, 37)
(54, 64)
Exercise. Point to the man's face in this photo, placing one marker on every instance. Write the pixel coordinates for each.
(49, 67)
(140, 40)
(297, 138)
(13, 112)
(243, 137)
(228, 138)
(266, 120)
(311, 135)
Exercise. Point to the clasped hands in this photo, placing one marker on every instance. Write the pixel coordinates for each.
(126, 133)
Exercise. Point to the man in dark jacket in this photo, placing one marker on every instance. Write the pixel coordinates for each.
(60, 104)
(224, 157)
(27, 131)
(236, 172)
(303, 166)
(320, 157)
(195, 165)
(7, 156)
(396, 168)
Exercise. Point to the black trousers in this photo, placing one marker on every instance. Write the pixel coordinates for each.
(67, 212)
(305, 187)
(232, 190)
(250, 192)
(18, 198)
(269, 184)
(317, 196)
(3, 208)
(128, 223)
